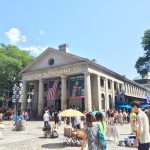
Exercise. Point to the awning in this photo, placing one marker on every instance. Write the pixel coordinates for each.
(124, 106)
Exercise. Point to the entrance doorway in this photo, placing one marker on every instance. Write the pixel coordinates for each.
(77, 103)
(58, 105)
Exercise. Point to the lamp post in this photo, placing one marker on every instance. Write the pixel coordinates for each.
(29, 100)
(16, 98)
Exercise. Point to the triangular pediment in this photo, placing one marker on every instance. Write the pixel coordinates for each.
(53, 58)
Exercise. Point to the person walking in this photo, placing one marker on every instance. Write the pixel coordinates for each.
(77, 122)
(143, 135)
(101, 123)
(56, 119)
(132, 118)
(92, 133)
(46, 119)
(148, 114)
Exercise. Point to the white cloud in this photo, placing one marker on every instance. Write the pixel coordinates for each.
(35, 49)
(42, 32)
(15, 36)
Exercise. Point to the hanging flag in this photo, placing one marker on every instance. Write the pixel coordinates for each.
(148, 99)
(52, 90)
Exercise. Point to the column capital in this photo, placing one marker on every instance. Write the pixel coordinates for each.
(87, 73)
(98, 75)
(112, 81)
(63, 77)
(41, 80)
(105, 79)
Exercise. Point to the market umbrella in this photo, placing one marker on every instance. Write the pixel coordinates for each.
(143, 106)
(124, 106)
(70, 113)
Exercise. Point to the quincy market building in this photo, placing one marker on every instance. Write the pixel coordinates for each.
(59, 80)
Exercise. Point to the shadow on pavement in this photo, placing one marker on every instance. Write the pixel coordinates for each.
(53, 146)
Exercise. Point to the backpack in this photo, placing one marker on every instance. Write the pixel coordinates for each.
(102, 140)
(54, 134)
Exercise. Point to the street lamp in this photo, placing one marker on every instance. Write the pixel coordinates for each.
(29, 100)
(16, 98)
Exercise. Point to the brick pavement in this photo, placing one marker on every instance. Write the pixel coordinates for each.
(32, 139)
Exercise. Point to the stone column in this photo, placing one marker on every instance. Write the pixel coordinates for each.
(24, 97)
(40, 99)
(113, 94)
(35, 98)
(106, 95)
(118, 92)
(99, 92)
(87, 87)
(63, 93)
(95, 91)
(125, 88)
(123, 92)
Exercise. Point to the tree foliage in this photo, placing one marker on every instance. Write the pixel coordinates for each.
(143, 63)
(12, 61)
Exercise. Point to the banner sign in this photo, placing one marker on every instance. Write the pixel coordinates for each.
(76, 86)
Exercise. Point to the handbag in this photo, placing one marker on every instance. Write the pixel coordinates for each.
(54, 134)
(102, 140)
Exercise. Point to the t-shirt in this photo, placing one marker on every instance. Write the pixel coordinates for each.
(132, 116)
(46, 117)
(143, 127)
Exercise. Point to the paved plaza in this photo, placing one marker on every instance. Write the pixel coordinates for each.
(32, 138)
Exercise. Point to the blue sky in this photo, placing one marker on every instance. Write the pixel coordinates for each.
(109, 31)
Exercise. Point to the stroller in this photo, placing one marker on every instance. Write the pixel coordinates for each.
(47, 129)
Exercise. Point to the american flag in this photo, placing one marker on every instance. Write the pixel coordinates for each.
(52, 90)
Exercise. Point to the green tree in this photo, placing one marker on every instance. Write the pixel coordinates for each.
(12, 61)
(143, 63)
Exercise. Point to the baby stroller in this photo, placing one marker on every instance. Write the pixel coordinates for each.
(47, 129)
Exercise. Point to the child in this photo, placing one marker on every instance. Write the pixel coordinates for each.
(112, 131)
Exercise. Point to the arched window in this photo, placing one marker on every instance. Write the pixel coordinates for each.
(115, 86)
(102, 82)
(103, 101)
(121, 99)
(115, 98)
(109, 85)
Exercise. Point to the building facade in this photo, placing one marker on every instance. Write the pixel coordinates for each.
(59, 80)
(144, 82)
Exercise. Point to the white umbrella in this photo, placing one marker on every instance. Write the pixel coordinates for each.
(70, 113)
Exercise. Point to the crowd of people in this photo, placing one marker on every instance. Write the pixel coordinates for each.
(99, 123)
(108, 123)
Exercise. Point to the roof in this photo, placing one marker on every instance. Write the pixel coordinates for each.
(91, 63)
